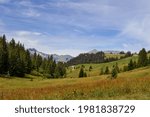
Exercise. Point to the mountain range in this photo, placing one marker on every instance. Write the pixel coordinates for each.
(57, 58)
(94, 51)
(66, 58)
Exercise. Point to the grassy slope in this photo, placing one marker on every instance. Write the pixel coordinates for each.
(128, 85)
(73, 73)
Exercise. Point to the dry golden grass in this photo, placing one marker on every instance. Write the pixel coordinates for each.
(126, 86)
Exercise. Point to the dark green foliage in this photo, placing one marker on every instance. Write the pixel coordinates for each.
(128, 54)
(60, 70)
(17, 61)
(50, 66)
(28, 62)
(130, 65)
(87, 58)
(143, 60)
(122, 52)
(134, 64)
(149, 60)
(114, 73)
(82, 73)
(90, 68)
(14, 59)
(3, 56)
(106, 70)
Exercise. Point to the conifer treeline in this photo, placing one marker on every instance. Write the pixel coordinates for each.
(99, 57)
(15, 60)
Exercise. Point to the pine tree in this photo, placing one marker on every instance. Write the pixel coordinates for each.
(38, 62)
(149, 60)
(134, 64)
(28, 63)
(90, 68)
(60, 70)
(16, 59)
(4, 63)
(81, 73)
(107, 70)
(114, 73)
(12, 57)
(130, 65)
(50, 67)
(142, 60)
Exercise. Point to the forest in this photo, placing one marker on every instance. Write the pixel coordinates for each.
(15, 60)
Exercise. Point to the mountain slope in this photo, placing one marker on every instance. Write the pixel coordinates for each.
(57, 58)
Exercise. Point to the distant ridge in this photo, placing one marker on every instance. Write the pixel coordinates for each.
(94, 51)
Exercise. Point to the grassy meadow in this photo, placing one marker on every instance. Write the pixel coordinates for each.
(72, 71)
(128, 85)
(133, 84)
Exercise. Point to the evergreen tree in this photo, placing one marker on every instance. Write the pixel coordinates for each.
(34, 61)
(3, 56)
(43, 65)
(38, 62)
(114, 73)
(90, 68)
(149, 60)
(107, 70)
(28, 63)
(60, 70)
(81, 73)
(50, 67)
(142, 60)
(134, 64)
(130, 65)
(12, 57)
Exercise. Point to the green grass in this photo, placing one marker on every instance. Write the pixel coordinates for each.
(129, 85)
(73, 73)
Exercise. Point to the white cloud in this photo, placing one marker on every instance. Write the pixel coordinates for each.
(138, 29)
(4, 1)
(28, 38)
(27, 33)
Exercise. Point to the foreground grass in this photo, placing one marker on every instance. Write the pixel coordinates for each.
(129, 85)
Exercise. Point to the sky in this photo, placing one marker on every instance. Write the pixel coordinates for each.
(77, 26)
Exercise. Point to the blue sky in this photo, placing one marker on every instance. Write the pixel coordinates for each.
(76, 26)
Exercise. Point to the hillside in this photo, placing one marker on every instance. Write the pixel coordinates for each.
(73, 71)
(129, 85)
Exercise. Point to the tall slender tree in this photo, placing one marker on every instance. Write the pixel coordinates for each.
(142, 60)
(3, 55)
